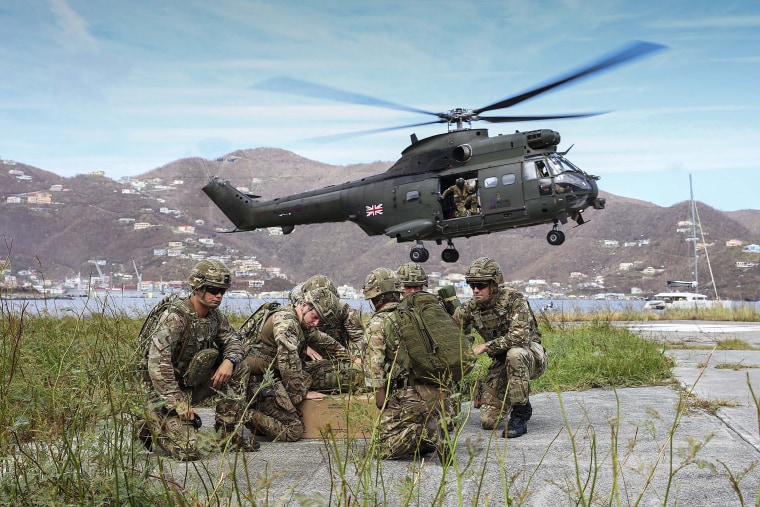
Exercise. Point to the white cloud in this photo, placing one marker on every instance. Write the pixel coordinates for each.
(74, 28)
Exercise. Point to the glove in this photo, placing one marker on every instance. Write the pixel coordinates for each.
(380, 398)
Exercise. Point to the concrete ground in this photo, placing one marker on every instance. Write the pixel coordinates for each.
(603, 446)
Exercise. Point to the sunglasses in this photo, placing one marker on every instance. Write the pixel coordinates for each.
(215, 291)
(478, 285)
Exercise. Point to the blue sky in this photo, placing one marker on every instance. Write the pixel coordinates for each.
(126, 87)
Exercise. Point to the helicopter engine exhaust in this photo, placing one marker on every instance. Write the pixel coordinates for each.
(462, 153)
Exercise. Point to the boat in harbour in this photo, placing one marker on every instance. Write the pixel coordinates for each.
(238, 294)
(680, 300)
(688, 300)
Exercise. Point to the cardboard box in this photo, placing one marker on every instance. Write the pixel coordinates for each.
(345, 415)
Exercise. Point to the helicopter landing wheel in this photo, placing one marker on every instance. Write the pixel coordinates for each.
(555, 237)
(450, 255)
(419, 254)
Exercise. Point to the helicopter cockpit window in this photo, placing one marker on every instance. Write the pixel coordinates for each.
(490, 182)
(555, 167)
(564, 164)
(413, 195)
(508, 179)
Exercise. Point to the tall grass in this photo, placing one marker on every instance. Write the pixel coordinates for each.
(69, 392)
(734, 313)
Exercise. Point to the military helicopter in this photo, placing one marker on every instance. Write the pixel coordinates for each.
(513, 180)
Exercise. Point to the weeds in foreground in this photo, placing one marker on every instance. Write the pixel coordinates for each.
(733, 313)
(733, 344)
(68, 392)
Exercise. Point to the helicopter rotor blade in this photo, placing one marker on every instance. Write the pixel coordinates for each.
(510, 119)
(630, 52)
(307, 89)
(349, 135)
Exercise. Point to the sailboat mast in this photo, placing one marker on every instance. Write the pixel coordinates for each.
(694, 236)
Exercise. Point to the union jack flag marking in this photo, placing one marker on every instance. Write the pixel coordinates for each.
(377, 209)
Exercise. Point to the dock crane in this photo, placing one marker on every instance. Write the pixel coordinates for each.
(139, 276)
(98, 263)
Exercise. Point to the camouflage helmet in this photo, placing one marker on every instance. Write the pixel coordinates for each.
(412, 274)
(484, 269)
(319, 281)
(209, 273)
(380, 281)
(323, 301)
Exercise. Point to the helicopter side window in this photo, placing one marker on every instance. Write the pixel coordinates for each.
(508, 179)
(541, 170)
(490, 182)
(412, 195)
(529, 171)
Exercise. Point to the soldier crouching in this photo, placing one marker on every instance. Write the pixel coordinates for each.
(413, 416)
(193, 354)
(276, 353)
(503, 317)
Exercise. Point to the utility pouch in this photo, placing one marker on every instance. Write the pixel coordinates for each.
(201, 367)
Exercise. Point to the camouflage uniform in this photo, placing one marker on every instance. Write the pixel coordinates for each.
(346, 327)
(460, 196)
(413, 414)
(280, 348)
(511, 333)
(335, 374)
(471, 202)
(180, 334)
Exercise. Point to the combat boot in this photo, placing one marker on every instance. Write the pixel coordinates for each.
(518, 421)
(228, 435)
(142, 432)
(528, 411)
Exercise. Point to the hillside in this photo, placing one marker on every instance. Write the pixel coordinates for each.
(82, 222)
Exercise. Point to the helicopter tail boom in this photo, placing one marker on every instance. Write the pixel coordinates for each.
(248, 214)
(233, 203)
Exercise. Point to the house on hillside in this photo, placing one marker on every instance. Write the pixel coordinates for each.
(751, 248)
(734, 242)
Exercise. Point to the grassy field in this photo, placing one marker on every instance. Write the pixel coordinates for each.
(65, 379)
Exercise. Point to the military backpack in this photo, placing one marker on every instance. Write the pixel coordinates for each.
(253, 324)
(438, 350)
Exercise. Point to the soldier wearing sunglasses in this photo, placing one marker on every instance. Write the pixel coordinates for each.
(193, 353)
(502, 316)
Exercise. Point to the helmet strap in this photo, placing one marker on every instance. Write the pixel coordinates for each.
(199, 303)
